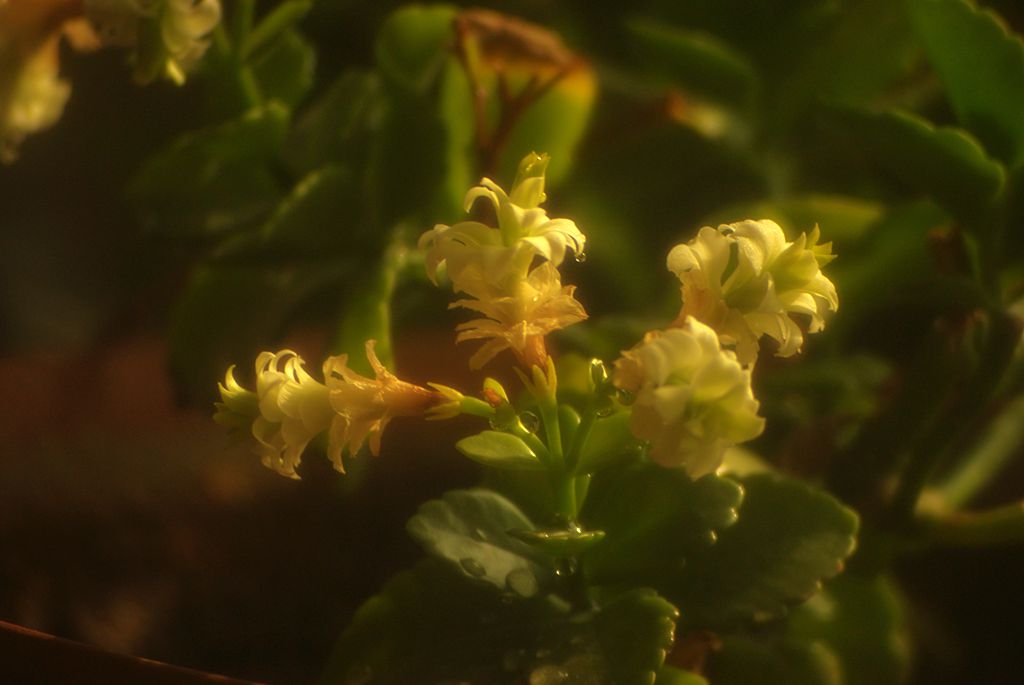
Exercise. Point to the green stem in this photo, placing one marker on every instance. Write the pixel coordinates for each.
(241, 21)
(552, 431)
(998, 448)
(1003, 525)
(579, 440)
(519, 430)
(565, 496)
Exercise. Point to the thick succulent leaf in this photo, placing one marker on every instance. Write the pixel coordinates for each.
(227, 313)
(468, 529)
(321, 213)
(427, 116)
(285, 69)
(276, 22)
(946, 163)
(335, 127)
(981, 65)
(789, 537)
(844, 220)
(863, 621)
(610, 441)
(412, 45)
(698, 62)
(500, 450)
(669, 675)
(654, 519)
(746, 661)
(430, 625)
(215, 180)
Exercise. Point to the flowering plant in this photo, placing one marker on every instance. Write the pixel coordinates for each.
(584, 287)
(571, 574)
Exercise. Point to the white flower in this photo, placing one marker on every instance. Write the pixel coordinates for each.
(364, 406)
(693, 399)
(481, 259)
(745, 281)
(32, 95)
(169, 36)
(288, 409)
(519, 321)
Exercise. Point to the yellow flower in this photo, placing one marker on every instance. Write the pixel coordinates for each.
(364, 406)
(693, 399)
(32, 95)
(482, 260)
(519, 321)
(745, 281)
(288, 409)
(169, 36)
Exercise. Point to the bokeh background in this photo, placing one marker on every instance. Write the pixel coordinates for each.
(130, 521)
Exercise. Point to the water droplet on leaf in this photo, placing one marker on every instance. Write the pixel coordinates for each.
(473, 567)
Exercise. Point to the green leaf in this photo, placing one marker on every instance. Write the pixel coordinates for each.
(555, 124)
(285, 70)
(500, 450)
(225, 315)
(412, 45)
(981, 65)
(745, 661)
(610, 441)
(468, 530)
(638, 628)
(429, 625)
(336, 127)
(844, 220)
(560, 543)
(215, 180)
(320, 214)
(654, 519)
(946, 163)
(434, 127)
(366, 315)
(669, 675)
(280, 19)
(789, 537)
(863, 621)
(698, 62)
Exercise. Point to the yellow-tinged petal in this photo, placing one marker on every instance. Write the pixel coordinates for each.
(745, 281)
(693, 399)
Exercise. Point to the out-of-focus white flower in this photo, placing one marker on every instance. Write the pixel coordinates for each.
(519, 321)
(32, 94)
(169, 36)
(288, 409)
(481, 259)
(693, 399)
(364, 406)
(745, 281)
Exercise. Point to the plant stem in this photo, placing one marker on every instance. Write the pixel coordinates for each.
(241, 22)
(579, 440)
(1003, 525)
(997, 449)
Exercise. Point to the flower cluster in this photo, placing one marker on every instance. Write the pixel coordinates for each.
(289, 407)
(688, 388)
(32, 94)
(168, 36)
(746, 281)
(693, 399)
(495, 267)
